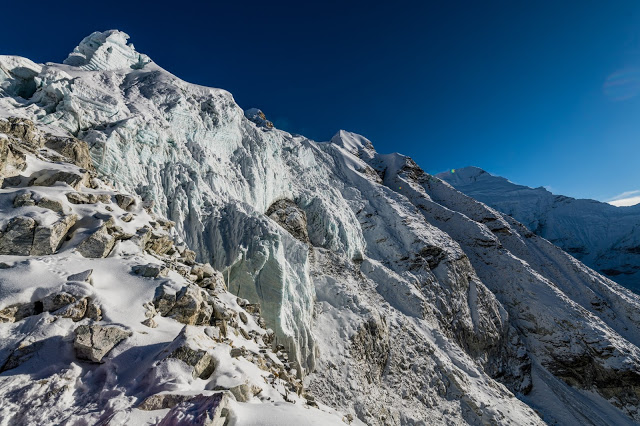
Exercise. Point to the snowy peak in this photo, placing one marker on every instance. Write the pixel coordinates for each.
(352, 142)
(602, 236)
(106, 51)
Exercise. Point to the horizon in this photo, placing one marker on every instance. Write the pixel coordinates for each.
(561, 80)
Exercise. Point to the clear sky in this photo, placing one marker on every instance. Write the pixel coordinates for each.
(545, 93)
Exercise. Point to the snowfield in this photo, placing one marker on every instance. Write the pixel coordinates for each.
(243, 275)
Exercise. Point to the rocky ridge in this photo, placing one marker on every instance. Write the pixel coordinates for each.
(211, 332)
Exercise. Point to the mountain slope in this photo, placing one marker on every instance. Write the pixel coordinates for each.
(604, 237)
(398, 299)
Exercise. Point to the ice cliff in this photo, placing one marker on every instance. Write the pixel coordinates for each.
(396, 298)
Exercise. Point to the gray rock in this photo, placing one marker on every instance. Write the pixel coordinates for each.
(54, 205)
(125, 201)
(242, 393)
(163, 300)
(16, 312)
(17, 238)
(159, 243)
(291, 217)
(93, 342)
(76, 311)
(150, 270)
(243, 317)
(199, 411)
(51, 176)
(94, 312)
(84, 198)
(47, 239)
(99, 244)
(203, 364)
(191, 307)
(163, 401)
(150, 322)
(236, 352)
(55, 301)
(84, 276)
(189, 256)
(21, 354)
(24, 199)
(75, 150)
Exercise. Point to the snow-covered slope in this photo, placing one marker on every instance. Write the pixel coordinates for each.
(604, 237)
(397, 299)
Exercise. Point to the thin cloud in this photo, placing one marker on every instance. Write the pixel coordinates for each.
(628, 198)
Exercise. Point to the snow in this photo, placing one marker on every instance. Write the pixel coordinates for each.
(600, 235)
(410, 304)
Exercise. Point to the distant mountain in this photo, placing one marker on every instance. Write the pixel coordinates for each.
(604, 237)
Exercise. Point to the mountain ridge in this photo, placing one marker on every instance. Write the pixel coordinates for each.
(605, 237)
(391, 297)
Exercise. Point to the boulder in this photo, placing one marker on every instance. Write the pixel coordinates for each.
(159, 243)
(47, 239)
(199, 411)
(94, 312)
(99, 244)
(84, 276)
(150, 270)
(24, 198)
(50, 176)
(25, 350)
(84, 198)
(75, 150)
(16, 312)
(189, 257)
(56, 301)
(162, 401)
(164, 299)
(17, 238)
(125, 201)
(191, 307)
(76, 311)
(150, 322)
(93, 342)
(244, 392)
(54, 205)
(201, 362)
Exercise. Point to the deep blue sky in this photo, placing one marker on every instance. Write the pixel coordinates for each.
(518, 88)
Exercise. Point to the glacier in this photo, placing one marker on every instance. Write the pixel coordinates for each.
(396, 298)
(602, 236)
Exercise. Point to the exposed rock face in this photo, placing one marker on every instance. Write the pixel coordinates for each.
(17, 237)
(51, 177)
(47, 239)
(371, 346)
(73, 149)
(291, 217)
(258, 117)
(191, 306)
(93, 342)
